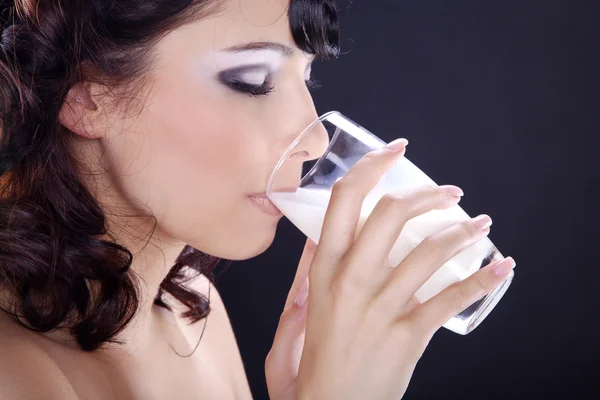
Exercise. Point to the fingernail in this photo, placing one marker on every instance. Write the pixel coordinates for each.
(504, 266)
(482, 221)
(453, 190)
(397, 145)
(302, 295)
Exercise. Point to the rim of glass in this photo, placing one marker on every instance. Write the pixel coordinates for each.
(294, 144)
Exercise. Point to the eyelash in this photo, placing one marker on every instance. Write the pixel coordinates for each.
(264, 89)
(251, 90)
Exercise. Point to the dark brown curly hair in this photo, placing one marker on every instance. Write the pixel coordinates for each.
(51, 227)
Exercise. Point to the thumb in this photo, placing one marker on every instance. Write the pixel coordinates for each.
(283, 361)
(302, 271)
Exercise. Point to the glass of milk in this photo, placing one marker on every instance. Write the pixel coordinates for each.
(333, 143)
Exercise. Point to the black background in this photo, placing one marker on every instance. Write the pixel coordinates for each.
(502, 99)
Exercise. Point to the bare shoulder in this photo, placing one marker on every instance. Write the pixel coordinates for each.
(27, 372)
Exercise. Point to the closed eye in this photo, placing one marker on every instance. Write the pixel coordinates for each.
(250, 79)
(254, 80)
(250, 89)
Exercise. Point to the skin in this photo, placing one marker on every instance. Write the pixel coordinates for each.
(190, 158)
(197, 149)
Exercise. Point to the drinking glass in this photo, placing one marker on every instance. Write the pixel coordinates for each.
(300, 186)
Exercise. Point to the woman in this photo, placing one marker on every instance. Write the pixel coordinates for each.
(136, 140)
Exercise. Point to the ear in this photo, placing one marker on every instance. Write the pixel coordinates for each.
(79, 112)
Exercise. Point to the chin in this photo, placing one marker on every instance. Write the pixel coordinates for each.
(250, 245)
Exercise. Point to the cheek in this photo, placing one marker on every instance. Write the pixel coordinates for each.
(220, 136)
(202, 141)
(202, 148)
(192, 160)
(192, 134)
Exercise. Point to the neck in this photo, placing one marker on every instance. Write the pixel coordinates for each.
(151, 263)
(152, 260)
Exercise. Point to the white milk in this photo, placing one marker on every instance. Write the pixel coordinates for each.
(306, 210)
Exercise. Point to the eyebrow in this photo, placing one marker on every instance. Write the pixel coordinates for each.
(254, 46)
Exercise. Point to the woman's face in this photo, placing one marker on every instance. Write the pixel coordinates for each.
(211, 129)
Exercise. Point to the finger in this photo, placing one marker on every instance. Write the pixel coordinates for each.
(302, 272)
(411, 305)
(283, 360)
(384, 225)
(425, 259)
(436, 311)
(347, 196)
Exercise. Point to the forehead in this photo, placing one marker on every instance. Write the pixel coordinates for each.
(252, 21)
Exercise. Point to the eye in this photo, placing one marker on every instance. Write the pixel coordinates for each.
(249, 89)
(250, 80)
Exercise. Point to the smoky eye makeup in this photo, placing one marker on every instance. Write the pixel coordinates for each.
(256, 79)
(253, 80)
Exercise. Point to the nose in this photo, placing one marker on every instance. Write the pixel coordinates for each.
(311, 134)
(313, 142)
(299, 118)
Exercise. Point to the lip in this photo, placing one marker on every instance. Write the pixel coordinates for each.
(265, 204)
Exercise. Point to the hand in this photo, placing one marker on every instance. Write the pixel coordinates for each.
(283, 360)
(364, 331)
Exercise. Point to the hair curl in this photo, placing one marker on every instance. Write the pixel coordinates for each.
(50, 224)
